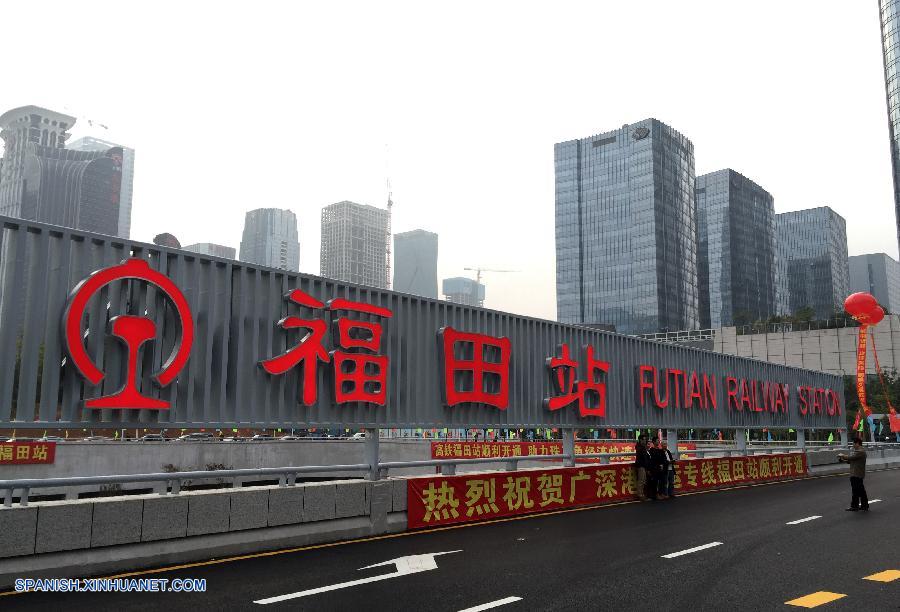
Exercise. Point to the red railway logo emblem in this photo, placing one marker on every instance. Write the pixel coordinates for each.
(134, 331)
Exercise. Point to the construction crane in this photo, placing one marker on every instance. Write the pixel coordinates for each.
(390, 205)
(478, 272)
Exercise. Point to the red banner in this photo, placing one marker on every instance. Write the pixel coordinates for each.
(20, 453)
(476, 450)
(861, 374)
(445, 500)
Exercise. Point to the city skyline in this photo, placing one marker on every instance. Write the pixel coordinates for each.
(176, 187)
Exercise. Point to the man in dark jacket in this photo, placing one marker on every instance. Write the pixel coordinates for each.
(641, 464)
(857, 460)
(658, 464)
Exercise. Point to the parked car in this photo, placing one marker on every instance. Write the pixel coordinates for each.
(51, 439)
(153, 438)
(360, 435)
(290, 437)
(196, 437)
(261, 438)
(96, 439)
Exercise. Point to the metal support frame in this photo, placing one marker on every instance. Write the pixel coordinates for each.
(740, 441)
(568, 439)
(371, 453)
(672, 441)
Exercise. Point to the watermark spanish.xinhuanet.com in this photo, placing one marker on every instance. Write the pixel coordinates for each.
(111, 585)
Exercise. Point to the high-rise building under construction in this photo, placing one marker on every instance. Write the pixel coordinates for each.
(355, 244)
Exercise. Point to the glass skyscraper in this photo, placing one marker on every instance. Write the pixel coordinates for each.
(126, 190)
(890, 45)
(626, 233)
(270, 239)
(415, 263)
(736, 255)
(812, 247)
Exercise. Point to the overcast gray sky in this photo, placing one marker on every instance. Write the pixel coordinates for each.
(234, 106)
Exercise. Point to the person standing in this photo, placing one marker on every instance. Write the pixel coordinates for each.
(670, 471)
(641, 464)
(657, 471)
(857, 459)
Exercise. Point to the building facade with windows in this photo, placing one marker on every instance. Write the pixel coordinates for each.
(215, 250)
(812, 247)
(626, 232)
(462, 290)
(736, 252)
(355, 244)
(890, 46)
(878, 274)
(271, 239)
(126, 191)
(42, 180)
(415, 263)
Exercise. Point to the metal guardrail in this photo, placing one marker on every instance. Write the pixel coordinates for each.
(287, 476)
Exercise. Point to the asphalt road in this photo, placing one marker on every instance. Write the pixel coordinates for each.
(609, 558)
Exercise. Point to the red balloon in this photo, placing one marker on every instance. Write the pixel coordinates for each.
(864, 308)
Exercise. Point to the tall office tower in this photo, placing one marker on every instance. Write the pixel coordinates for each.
(890, 46)
(415, 263)
(270, 239)
(355, 244)
(126, 191)
(626, 232)
(208, 248)
(18, 128)
(462, 290)
(878, 274)
(812, 243)
(736, 254)
(43, 181)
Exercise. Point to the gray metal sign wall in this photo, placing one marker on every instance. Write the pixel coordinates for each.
(97, 331)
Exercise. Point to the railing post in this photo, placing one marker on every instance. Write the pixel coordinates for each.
(844, 440)
(568, 439)
(801, 438)
(176, 486)
(23, 497)
(7, 498)
(372, 453)
(448, 469)
(511, 465)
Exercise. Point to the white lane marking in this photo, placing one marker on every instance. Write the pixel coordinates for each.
(691, 550)
(404, 566)
(493, 604)
(874, 501)
(803, 520)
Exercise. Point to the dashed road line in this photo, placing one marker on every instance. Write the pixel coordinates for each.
(885, 576)
(803, 520)
(814, 600)
(691, 550)
(874, 501)
(493, 604)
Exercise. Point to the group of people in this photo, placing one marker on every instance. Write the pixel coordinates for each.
(654, 467)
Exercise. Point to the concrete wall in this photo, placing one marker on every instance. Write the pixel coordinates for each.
(827, 350)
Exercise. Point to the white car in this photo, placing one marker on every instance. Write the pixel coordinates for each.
(361, 435)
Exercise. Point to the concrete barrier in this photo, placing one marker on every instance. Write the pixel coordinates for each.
(91, 536)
